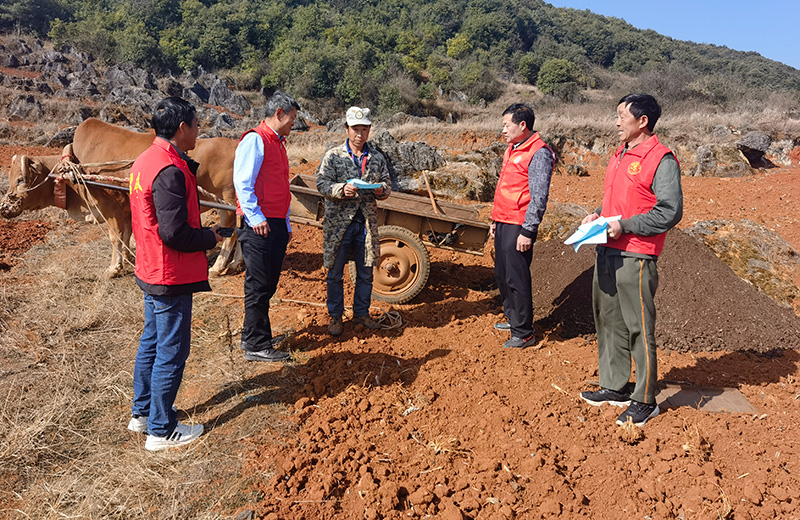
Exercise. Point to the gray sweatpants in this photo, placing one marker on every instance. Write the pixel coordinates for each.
(623, 290)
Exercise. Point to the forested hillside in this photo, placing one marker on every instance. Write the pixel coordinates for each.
(391, 53)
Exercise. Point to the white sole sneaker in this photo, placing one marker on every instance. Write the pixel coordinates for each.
(182, 434)
(139, 424)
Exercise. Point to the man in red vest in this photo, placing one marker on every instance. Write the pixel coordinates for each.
(170, 265)
(520, 200)
(643, 187)
(261, 179)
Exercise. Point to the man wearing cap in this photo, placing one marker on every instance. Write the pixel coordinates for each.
(261, 179)
(350, 229)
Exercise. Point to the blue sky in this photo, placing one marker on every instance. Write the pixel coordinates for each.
(768, 27)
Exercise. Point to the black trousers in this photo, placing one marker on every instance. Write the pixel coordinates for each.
(263, 257)
(512, 270)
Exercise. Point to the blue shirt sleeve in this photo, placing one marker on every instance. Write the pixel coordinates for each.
(246, 165)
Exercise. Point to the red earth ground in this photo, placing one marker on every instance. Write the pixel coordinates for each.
(436, 420)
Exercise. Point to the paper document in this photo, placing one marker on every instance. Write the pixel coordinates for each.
(363, 185)
(594, 232)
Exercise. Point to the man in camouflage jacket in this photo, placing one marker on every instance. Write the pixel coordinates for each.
(350, 228)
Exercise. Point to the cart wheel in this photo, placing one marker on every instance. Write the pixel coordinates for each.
(403, 268)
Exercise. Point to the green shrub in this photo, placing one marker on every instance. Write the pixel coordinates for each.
(528, 67)
(555, 73)
(390, 100)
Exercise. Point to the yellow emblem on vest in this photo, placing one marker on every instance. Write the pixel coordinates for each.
(635, 168)
(134, 183)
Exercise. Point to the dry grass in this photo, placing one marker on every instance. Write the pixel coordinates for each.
(630, 433)
(695, 444)
(687, 122)
(68, 342)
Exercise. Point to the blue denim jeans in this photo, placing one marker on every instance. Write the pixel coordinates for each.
(354, 240)
(163, 350)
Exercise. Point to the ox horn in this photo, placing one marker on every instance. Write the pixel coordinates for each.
(66, 153)
(24, 169)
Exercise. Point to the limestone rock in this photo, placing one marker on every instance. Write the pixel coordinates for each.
(706, 160)
(220, 95)
(754, 145)
(127, 75)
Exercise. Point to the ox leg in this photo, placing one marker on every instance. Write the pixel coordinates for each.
(115, 236)
(230, 249)
(226, 250)
(127, 248)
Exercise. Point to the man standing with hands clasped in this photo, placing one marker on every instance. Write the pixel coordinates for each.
(352, 177)
(643, 185)
(261, 179)
(171, 264)
(519, 204)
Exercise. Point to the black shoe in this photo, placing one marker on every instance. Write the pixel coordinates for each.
(502, 325)
(604, 395)
(274, 342)
(367, 322)
(520, 342)
(335, 327)
(269, 354)
(639, 413)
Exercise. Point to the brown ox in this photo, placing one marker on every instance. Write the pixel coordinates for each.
(98, 142)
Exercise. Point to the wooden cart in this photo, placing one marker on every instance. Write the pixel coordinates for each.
(408, 223)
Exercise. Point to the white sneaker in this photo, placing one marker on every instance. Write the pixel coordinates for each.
(182, 434)
(138, 423)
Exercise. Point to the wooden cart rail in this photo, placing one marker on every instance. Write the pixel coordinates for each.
(408, 223)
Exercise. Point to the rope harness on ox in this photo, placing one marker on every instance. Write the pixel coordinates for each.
(70, 172)
(74, 173)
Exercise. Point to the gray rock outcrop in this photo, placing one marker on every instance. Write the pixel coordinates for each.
(754, 145)
(220, 95)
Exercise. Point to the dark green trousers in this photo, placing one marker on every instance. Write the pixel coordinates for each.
(625, 316)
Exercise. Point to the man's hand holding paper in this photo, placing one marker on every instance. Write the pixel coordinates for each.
(595, 231)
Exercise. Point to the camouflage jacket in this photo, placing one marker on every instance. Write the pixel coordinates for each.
(335, 170)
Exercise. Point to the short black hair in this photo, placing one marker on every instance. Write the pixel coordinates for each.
(521, 112)
(643, 105)
(169, 115)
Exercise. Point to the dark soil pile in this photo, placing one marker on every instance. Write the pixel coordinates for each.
(701, 304)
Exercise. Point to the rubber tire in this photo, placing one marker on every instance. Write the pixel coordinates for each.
(393, 238)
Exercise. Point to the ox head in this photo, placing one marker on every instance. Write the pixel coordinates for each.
(28, 186)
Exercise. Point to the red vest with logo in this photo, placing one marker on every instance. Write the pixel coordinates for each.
(272, 182)
(628, 191)
(157, 263)
(512, 195)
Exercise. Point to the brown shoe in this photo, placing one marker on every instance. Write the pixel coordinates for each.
(335, 326)
(367, 322)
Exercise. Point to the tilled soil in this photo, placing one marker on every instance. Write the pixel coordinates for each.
(436, 418)
(16, 237)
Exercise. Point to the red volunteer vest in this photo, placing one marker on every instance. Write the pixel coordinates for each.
(628, 191)
(512, 196)
(157, 263)
(272, 182)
